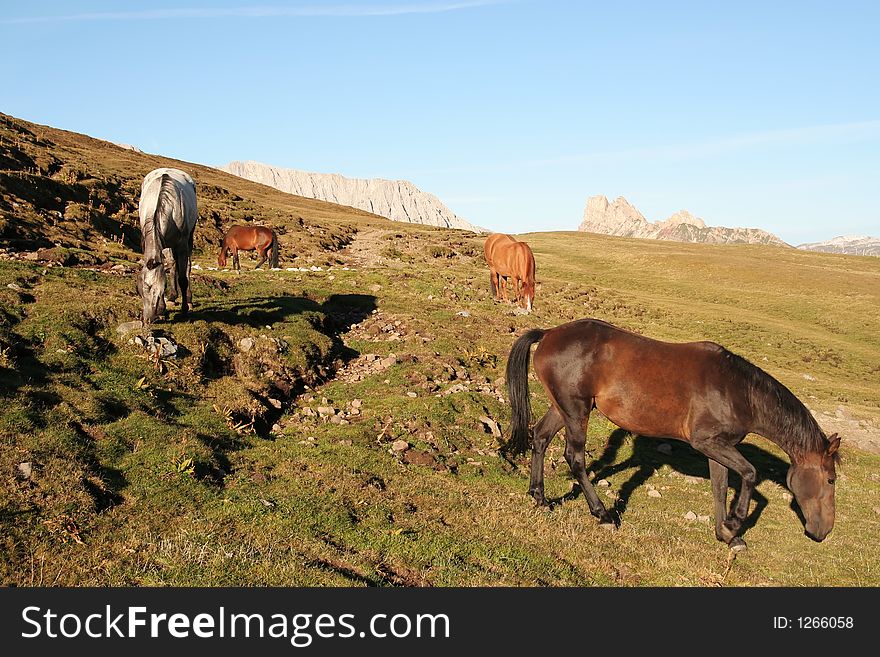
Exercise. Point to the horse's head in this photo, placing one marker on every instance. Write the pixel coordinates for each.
(151, 287)
(221, 257)
(528, 294)
(811, 480)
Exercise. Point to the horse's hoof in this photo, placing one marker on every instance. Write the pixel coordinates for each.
(737, 545)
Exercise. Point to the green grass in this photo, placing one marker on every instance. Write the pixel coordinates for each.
(185, 472)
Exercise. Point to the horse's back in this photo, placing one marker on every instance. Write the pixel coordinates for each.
(493, 243)
(524, 260)
(643, 385)
(185, 187)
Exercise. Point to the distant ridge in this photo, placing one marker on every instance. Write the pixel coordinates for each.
(622, 219)
(398, 200)
(846, 244)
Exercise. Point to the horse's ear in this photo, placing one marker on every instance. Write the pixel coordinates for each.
(833, 444)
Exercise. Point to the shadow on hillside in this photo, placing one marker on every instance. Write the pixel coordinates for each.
(334, 317)
(684, 459)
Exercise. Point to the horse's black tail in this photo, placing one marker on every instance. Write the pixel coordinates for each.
(273, 258)
(518, 391)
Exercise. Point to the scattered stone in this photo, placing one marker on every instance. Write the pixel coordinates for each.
(877, 510)
(163, 347)
(25, 469)
(335, 419)
(664, 448)
(412, 394)
(463, 313)
(491, 425)
(276, 428)
(702, 518)
(127, 327)
(610, 494)
(325, 410)
(275, 403)
(356, 403)
(690, 515)
(809, 377)
(787, 496)
(458, 387)
(654, 493)
(399, 446)
(13, 286)
(267, 503)
(418, 457)
(246, 344)
(345, 442)
(603, 483)
(375, 287)
(388, 361)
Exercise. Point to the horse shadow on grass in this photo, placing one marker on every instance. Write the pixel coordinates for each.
(646, 460)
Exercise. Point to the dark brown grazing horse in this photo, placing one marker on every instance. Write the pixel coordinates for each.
(508, 258)
(249, 238)
(698, 392)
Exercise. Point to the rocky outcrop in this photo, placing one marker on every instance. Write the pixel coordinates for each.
(622, 219)
(847, 244)
(398, 200)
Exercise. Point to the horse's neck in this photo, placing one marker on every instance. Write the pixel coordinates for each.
(152, 241)
(781, 428)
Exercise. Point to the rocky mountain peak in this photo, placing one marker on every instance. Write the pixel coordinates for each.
(621, 218)
(398, 200)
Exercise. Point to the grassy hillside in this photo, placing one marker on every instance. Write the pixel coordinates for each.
(334, 426)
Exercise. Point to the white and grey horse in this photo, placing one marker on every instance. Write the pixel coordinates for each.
(168, 216)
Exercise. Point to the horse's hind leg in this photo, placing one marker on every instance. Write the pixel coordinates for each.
(183, 268)
(575, 447)
(262, 253)
(543, 433)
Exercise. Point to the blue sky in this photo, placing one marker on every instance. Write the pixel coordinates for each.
(758, 114)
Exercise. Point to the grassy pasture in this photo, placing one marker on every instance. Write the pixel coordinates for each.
(220, 467)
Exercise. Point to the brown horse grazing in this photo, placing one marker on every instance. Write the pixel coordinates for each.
(508, 258)
(697, 392)
(249, 238)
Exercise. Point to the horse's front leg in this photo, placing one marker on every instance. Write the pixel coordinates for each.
(723, 456)
(542, 434)
(718, 475)
(235, 263)
(189, 263)
(169, 262)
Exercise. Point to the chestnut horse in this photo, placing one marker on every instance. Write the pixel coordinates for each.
(508, 258)
(698, 392)
(249, 238)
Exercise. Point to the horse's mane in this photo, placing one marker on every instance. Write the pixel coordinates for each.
(776, 407)
(164, 207)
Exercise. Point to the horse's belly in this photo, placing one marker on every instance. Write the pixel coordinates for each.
(655, 418)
